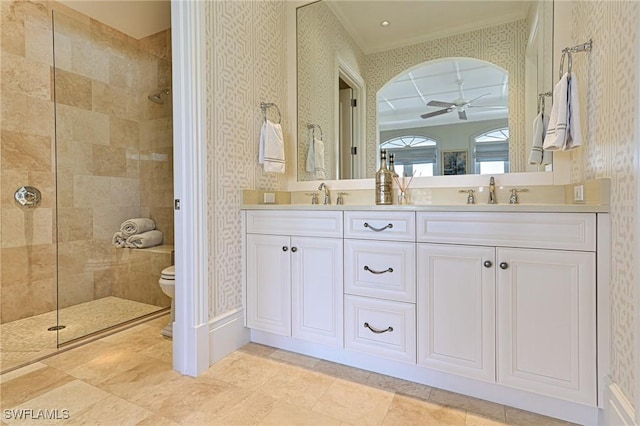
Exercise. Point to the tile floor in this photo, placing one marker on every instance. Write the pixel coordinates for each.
(126, 379)
(28, 339)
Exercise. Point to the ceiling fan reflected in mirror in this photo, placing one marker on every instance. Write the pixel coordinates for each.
(461, 104)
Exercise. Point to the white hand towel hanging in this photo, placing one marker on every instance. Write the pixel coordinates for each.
(538, 155)
(564, 132)
(315, 157)
(271, 148)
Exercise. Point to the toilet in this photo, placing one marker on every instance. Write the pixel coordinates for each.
(168, 285)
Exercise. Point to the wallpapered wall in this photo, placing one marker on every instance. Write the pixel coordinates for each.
(322, 39)
(246, 64)
(608, 82)
(503, 45)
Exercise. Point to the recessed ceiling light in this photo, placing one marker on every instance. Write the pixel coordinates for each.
(385, 23)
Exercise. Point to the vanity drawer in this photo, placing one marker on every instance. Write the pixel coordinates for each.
(381, 327)
(397, 226)
(295, 222)
(566, 231)
(383, 269)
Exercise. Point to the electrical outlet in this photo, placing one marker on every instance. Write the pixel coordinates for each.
(578, 193)
(269, 197)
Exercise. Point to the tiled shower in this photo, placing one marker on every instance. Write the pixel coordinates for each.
(77, 124)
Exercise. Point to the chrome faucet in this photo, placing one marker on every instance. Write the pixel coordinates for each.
(492, 191)
(327, 195)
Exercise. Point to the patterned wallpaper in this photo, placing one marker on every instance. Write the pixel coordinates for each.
(245, 64)
(322, 41)
(503, 45)
(608, 82)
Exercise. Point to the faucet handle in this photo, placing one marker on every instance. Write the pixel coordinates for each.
(471, 199)
(513, 199)
(314, 197)
(340, 199)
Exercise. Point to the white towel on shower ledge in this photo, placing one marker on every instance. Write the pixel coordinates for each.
(564, 132)
(271, 153)
(137, 226)
(145, 239)
(119, 240)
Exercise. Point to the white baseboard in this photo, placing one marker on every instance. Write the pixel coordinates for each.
(227, 333)
(618, 411)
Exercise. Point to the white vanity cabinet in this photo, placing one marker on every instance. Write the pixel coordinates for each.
(294, 283)
(528, 280)
(380, 284)
(456, 309)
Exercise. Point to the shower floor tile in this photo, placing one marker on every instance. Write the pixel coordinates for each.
(28, 339)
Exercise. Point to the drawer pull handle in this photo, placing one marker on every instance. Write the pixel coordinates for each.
(389, 329)
(366, 268)
(366, 225)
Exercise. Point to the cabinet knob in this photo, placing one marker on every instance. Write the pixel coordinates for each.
(294, 249)
(285, 248)
(504, 265)
(487, 264)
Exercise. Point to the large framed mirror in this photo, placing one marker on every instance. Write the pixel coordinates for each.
(473, 68)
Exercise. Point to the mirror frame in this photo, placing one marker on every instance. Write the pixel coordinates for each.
(561, 173)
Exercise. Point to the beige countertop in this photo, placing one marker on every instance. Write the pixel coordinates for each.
(515, 208)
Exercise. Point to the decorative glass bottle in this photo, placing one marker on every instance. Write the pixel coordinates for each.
(383, 181)
(392, 165)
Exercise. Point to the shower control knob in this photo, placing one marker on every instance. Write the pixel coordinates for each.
(28, 196)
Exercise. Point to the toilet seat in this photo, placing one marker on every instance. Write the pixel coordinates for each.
(168, 273)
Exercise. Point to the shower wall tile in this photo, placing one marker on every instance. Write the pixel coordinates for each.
(158, 44)
(107, 220)
(26, 114)
(89, 61)
(124, 132)
(109, 161)
(23, 151)
(23, 264)
(24, 301)
(26, 77)
(11, 30)
(91, 191)
(73, 89)
(37, 42)
(26, 228)
(75, 224)
(74, 288)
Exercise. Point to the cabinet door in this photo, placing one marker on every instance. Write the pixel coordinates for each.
(547, 322)
(269, 283)
(317, 290)
(456, 309)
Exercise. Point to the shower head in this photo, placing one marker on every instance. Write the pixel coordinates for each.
(157, 97)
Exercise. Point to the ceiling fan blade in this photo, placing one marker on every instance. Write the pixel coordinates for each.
(441, 104)
(475, 99)
(488, 106)
(436, 113)
(462, 114)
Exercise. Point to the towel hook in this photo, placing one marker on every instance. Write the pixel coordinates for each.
(312, 127)
(265, 105)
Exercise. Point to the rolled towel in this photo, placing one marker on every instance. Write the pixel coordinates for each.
(119, 240)
(144, 240)
(137, 226)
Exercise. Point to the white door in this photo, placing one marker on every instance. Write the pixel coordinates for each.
(456, 309)
(269, 283)
(547, 322)
(317, 290)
